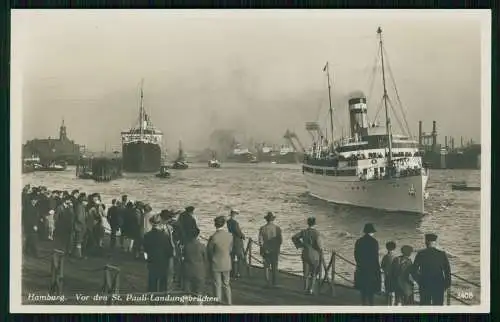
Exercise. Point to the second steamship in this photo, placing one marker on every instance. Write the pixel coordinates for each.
(373, 168)
(141, 145)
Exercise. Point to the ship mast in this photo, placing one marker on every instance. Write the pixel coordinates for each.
(330, 101)
(141, 111)
(387, 117)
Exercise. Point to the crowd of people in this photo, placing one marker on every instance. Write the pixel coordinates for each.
(170, 243)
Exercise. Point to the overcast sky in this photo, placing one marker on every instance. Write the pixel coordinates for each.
(259, 72)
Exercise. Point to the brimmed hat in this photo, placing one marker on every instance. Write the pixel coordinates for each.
(166, 214)
(269, 216)
(189, 209)
(406, 250)
(369, 228)
(234, 211)
(431, 237)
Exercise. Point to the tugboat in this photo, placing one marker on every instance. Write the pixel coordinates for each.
(214, 163)
(462, 186)
(180, 163)
(163, 172)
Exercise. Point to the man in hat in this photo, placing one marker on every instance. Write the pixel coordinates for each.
(367, 276)
(114, 221)
(237, 254)
(270, 240)
(187, 225)
(219, 248)
(30, 221)
(310, 241)
(158, 252)
(432, 272)
(402, 280)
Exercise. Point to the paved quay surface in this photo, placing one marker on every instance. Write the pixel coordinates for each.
(87, 277)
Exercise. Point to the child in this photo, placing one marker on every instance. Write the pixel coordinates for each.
(402, 280)
(386, 267)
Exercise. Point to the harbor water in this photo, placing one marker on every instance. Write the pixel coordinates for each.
(255, 189)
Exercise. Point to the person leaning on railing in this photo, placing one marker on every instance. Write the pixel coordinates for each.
(310, 241)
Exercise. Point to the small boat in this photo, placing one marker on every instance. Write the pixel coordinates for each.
(214, 163)
(163, 172)
(85, 175)
(180, 163)
(50, 167)
(462, 186)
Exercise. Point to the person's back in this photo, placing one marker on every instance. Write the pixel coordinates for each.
(271, 237)
(386, 266)
(157, 247)
(219, 247)
(194, 265)
(433, 267)
(310, 244)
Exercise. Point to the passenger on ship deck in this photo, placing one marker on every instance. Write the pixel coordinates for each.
(367, 278)
(237, 254)
(270, 240)
(310, 241)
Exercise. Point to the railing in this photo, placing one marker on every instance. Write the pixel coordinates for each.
(110, 290)
(329, 272)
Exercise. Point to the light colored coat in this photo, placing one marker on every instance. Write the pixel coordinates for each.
(219, 249)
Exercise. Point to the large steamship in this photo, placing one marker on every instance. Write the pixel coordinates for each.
(372, 168)
(141, 145)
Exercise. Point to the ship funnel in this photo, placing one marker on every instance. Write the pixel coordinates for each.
(358, 115)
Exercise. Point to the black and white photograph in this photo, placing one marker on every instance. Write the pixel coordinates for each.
(305, 161)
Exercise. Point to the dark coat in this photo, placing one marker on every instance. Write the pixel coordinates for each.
(30, 218)
(367, 275)
(219, 248)
(113, 217)
(401, 279)
(195, 260)
(131, 223)
(188, 227)
(431, 269)
(64, 221)
(233, 227)
(158, 249)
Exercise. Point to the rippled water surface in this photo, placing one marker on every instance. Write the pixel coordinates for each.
(255, 189)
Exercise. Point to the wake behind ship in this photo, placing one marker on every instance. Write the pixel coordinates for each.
(141, 145)
(374, 168)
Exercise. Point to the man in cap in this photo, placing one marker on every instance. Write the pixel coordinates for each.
(270, 240)
(310, 241)
(158, 252)
(432, 272)
(367, 276)
(402, 280)
(219, 248)
(237, 254)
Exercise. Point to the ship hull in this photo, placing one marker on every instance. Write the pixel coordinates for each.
(292, 157)
(404, 194)
(141, 157)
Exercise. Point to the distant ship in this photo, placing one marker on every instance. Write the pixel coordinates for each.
(242, 155)
(141, 145)
(180, 163)
(373, 168)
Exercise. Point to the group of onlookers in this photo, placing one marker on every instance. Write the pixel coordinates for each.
(170, 243)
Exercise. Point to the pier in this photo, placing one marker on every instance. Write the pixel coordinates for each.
(114, 273)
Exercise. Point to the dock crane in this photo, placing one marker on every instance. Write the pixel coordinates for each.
(290, 136)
